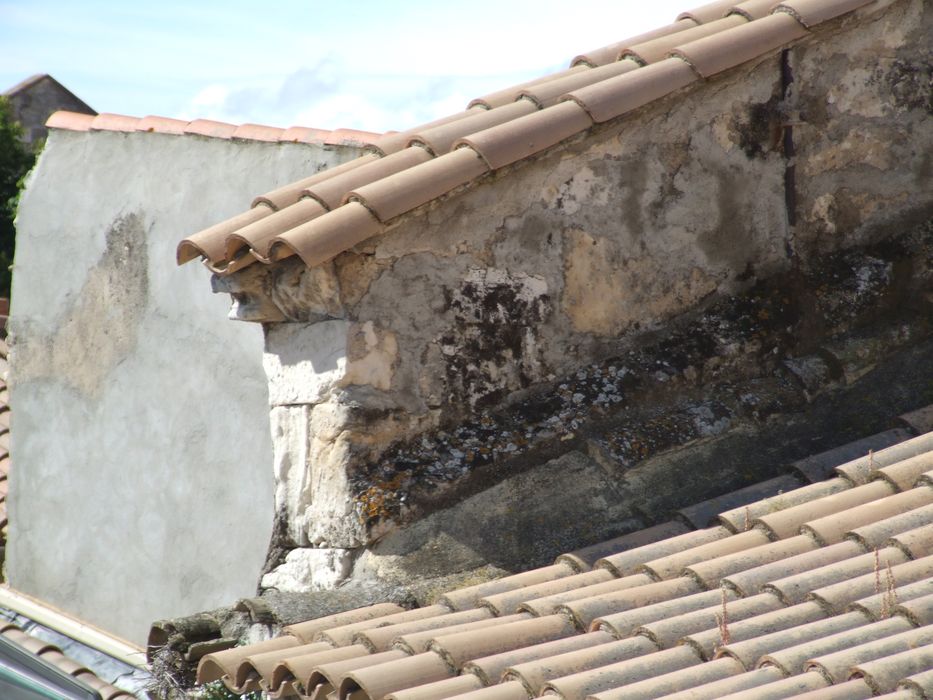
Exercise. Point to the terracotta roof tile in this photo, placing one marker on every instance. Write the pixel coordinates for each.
(859, 470)
(807, 601)
(491, 668)
(813, 12)
(321, 238)
(821, 466)
(51, 654)
(71, 121)
(707, 13)
(381, 638)
(162, 125)
(257, 132)
(113, 122)
(658, 49)
(607, 54)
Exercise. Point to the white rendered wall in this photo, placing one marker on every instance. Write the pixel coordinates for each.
(143, 484)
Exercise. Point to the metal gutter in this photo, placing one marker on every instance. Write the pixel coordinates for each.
(69, 626)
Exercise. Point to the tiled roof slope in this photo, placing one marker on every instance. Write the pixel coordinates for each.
(53, 655)
(822, 591)
(327, 213)
(75, 121)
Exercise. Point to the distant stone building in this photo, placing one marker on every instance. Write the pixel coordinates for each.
(36, 98)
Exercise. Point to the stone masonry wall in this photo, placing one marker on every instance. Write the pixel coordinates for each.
(508, 290)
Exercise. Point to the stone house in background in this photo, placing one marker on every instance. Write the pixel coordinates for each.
(142, 431)
(35, 99)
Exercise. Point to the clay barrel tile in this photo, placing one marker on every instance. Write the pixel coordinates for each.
(69, 666)
(289, 194)
(874, 535)
(458, 649)
(510, 142)
(161, 125)
(740, 519)
(331, 191)
(658, 49)
(510, 94)
(214, 666)
(667, 633)
(836, 665)
(344, 634)
(608, 54)
(904, 474)
(211, 128)
(533, 675)
(916, 543)
(419, 642)
(438, 690)
(786, 523)
(377, 681)
(509, 601)
(583, 559)
(301, 667)
(792, 658)
(784, 688)
(440, 139)
(616, 96)
(795, 588)
(211, 242)
(489, 669)
(750, 581)
(502, 691)
(878, 605)
(832, 528)
(918, 610)
(667, 683)
(750, 651)
(732, 47)
(397, 140)
(257, 132)
(259, 666)
(259, 234)
(707, 13)
(926, 479)
(821, 466)
(813, 12)
(883, 674)
(753, 9)
(303, 134)
(28, 642)
(707, 642)
(380, 638)
(325, 237)
(584, 611)
(114, 122)
(730, 685)
(710, 573)
(399, 193)
(469, 597)
(334, 672)
(837, 596)
(549, 604)
(306, 631)
(705, 513)
(859, 470)
(587, 683)
(350, 137)
(674, 564)
(624, 623)
(72, 121)
(627, 561)
(919, 683)
(850, 690)
(548, 93)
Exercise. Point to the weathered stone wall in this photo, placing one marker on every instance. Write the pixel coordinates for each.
(141, 485)
(400, 357)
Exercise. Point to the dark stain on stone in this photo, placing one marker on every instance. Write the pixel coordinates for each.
(911, 84)
(758, 128)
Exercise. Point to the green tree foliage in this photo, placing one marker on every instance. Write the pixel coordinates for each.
(16, 159)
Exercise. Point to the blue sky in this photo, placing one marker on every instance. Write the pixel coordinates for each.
(365, 65)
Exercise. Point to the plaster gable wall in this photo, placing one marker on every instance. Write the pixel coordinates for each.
(143, 486)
